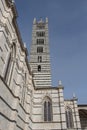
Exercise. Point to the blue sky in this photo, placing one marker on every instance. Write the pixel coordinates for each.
(68, 40)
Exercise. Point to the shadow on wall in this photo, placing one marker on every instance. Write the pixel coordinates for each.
(83, 118)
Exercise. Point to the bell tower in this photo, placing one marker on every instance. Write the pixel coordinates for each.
(39, 54)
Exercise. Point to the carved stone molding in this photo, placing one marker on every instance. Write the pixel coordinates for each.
(2, 24)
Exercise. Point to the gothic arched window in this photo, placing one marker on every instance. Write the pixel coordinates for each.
(10, 64)
(69, 118)
(47, 110)
(23, 91)
(8, 68)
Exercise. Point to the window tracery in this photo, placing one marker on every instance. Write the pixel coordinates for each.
(47, 110)
(69, 118)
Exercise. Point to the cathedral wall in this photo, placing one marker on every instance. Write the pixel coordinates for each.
(72, 104)
(46, 126)
(7, 109)
(58, 111)
(16, 84)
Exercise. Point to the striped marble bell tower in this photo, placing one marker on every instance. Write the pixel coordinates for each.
(39, 54)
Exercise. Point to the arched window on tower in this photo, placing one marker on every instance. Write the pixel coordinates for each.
(39, 68)
(39, 49)
(40, 41)
(69, 118)
(47, 110)
(39, 58)
(40, 34)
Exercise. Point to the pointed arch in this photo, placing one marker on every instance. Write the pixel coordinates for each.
(10, 63)
(13, 48)
(47, 106)
(39, 58)
(69, 118)
(39, 68)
